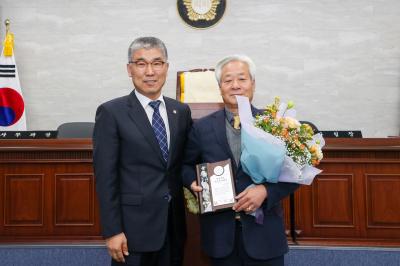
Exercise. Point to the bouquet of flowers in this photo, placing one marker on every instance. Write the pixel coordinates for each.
(276, 146)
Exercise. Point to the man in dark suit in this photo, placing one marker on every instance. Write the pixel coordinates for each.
(234, 237)
(138, 150)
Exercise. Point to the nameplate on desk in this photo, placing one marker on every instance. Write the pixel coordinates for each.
(37, 134)
(341, 133)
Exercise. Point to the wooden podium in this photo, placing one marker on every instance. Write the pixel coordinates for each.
(48, 194)
(355, 200)
(48, 191)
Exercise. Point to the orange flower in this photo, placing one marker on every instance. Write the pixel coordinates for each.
(313, 149)
(315, 162)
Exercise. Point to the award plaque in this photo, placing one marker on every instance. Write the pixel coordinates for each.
(217, 182)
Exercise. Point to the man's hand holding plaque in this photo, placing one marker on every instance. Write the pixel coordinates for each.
(215, 186)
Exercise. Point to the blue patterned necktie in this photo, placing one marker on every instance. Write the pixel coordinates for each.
(159, 128)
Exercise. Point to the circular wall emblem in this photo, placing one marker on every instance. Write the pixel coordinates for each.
(201, 14)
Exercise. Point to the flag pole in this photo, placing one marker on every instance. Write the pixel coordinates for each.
(7, 23)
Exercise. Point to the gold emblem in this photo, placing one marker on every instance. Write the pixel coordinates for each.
(201, 9)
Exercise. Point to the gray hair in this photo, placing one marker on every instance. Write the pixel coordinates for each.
(147, 43)
(241, 58)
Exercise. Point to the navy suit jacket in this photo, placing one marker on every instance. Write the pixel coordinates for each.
(135, 186)
(207, 143)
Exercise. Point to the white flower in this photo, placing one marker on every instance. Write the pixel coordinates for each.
(319, 154)
(290, 122)
(316, 139)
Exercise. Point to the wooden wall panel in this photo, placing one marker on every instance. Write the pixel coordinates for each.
(332, 196)
(74, 199)
(23, 198)
(383, 200)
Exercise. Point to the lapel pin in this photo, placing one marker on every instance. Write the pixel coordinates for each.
(174, 111)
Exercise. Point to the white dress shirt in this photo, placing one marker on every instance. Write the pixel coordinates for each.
(144, 101)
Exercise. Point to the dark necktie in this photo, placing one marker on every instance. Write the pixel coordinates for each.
(159, 128)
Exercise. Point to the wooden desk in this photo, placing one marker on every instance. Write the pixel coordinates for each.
(48, 191)
(356, 199)
(48, 194)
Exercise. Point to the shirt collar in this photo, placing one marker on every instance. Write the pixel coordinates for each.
(229, 115)
(144, 101)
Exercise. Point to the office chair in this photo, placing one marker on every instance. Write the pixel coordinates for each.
(75, 130)
(199, 89)
(197, 86)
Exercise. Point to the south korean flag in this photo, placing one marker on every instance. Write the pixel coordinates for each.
(12, 106)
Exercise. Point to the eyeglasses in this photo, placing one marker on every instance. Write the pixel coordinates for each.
(155, 65)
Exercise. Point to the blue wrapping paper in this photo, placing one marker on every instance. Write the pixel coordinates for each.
(262, 161)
